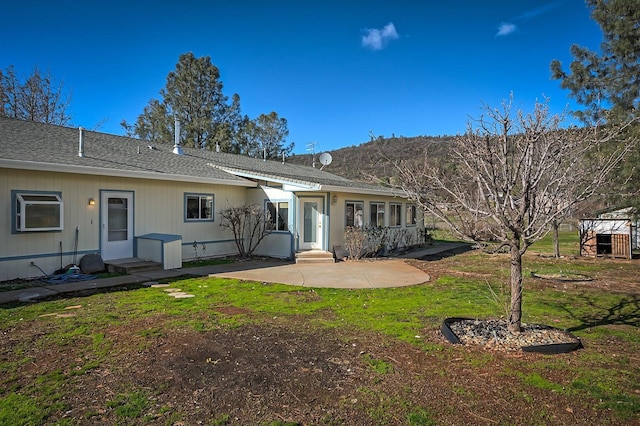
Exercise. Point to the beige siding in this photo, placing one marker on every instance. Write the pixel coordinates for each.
(158, 208)
(338, 211)
(277, 244)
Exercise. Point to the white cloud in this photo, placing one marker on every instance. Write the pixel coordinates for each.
(506, 28)
(377, 39)
(530, 14)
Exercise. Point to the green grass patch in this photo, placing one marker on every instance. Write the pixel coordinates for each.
(420, 418)
(221, 420)
(537, 381)
(129, 406)
(19, 409)
(206, 262)
(380, 366)
(569, 243)
(407, 314)
(34, 403)
(602, 386)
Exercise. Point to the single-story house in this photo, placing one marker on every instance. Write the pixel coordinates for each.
(67, 192)
(612, 232)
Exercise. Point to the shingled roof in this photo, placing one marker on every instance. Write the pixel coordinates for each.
(37, 146)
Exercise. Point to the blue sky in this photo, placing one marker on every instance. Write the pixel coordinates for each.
(336, 70)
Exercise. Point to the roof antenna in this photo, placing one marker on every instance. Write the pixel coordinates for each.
(311, 147)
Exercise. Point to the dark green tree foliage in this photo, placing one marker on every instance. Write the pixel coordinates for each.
(247, 141)
(37, 98)
(264, 136)
(208, 120)
(607, 83)
(272, 132)
(193, 94)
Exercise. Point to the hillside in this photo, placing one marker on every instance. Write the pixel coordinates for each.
(372, 158)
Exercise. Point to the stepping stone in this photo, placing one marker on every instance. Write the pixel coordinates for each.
(182, 295)
(172, 290)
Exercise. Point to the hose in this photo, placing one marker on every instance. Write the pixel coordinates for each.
(64, 278)
(43, 272)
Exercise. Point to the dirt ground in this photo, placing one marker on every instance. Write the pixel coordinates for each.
(293, 373)
(278, 372)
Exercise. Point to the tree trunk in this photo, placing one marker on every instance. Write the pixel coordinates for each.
(556, 239)
(515, 313)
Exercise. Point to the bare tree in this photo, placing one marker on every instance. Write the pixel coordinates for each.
(249, 224)
(510, 177)
(39, 98)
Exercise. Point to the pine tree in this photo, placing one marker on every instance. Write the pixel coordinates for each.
(193, 95)
(607, 83)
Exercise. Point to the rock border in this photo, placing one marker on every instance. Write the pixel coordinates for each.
(579, 278)
(548, 349)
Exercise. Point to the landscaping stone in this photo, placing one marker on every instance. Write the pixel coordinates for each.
(182, 295)
(91, 264)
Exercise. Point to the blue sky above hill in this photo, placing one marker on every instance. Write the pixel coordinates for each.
(337, 71)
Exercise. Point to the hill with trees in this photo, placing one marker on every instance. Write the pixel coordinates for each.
(359, 162)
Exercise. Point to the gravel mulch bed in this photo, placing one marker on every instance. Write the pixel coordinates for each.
(493, 334)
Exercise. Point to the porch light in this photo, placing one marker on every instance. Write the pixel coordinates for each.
(334, 199)
(92, 202)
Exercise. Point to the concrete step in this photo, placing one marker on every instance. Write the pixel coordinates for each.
(314, 256)
(132, 265)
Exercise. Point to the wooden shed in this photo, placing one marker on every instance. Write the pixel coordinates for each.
(612, 234)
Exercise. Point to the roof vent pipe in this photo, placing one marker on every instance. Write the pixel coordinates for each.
(217, 147)
(177, 148)
(264, 154)
(282, 157)
(80, 142)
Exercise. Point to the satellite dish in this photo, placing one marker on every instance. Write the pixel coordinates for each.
(325, 159)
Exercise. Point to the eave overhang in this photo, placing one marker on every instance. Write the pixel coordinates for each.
(135, 174)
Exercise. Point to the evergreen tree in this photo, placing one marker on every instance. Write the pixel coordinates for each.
(193, 94)
(272, 132)
(607, 83)
(264, 136)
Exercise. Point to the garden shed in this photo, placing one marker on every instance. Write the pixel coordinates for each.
(612, 233)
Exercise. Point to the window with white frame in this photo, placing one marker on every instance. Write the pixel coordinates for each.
(354, 214)
(411, 218)
(38, 211)
(377, 214)
(395, 214)
(198, 207)
(278, 215)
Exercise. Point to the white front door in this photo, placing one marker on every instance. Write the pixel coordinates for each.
(311, 214)
(116, 212)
